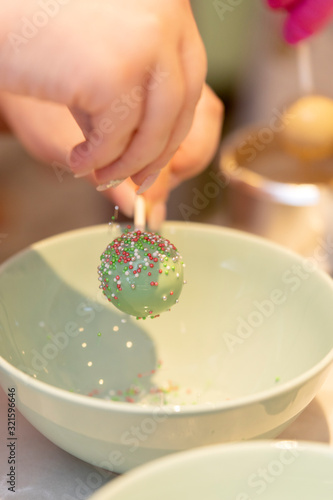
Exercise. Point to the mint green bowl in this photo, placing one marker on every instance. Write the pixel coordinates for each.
(241, 355)
(284, 470)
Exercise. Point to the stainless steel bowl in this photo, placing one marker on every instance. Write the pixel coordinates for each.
(274, 195)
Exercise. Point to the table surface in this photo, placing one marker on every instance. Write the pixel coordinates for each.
(45, 472)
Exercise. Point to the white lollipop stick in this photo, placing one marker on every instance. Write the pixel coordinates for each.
(305, 74)
(140, 213)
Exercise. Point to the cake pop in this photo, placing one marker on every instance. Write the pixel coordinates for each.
(308, 133)
(141, 273)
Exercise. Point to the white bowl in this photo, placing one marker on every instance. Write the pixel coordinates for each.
(242, 354)
(244, 471)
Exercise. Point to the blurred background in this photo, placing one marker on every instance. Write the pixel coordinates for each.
(250, 68)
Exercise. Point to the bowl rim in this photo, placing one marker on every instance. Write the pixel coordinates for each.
(301, 194)
(181, 410)
(217, 451)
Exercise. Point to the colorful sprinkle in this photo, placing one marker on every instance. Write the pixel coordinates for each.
(131, 274)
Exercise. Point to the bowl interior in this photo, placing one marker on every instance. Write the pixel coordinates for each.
(251, 317)
(244, 471)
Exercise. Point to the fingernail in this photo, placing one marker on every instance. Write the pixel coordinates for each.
(147, 183)
(111, 184)
(81, 174)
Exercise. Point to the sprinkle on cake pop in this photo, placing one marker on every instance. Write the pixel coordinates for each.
(141, 273)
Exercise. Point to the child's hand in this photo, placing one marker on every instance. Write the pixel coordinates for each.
(131, 73)
(48, 132)
(305, 17)
(193, 156)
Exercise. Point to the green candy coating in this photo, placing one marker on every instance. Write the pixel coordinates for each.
(141, 273)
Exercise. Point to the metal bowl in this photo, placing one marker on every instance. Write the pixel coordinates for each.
(275, 195)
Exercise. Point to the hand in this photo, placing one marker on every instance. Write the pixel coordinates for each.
(305, 17)
(130, 72)
(48, 131)
(193, 156)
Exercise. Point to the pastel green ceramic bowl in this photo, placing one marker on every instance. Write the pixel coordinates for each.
(241, 355)
(284, 470)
